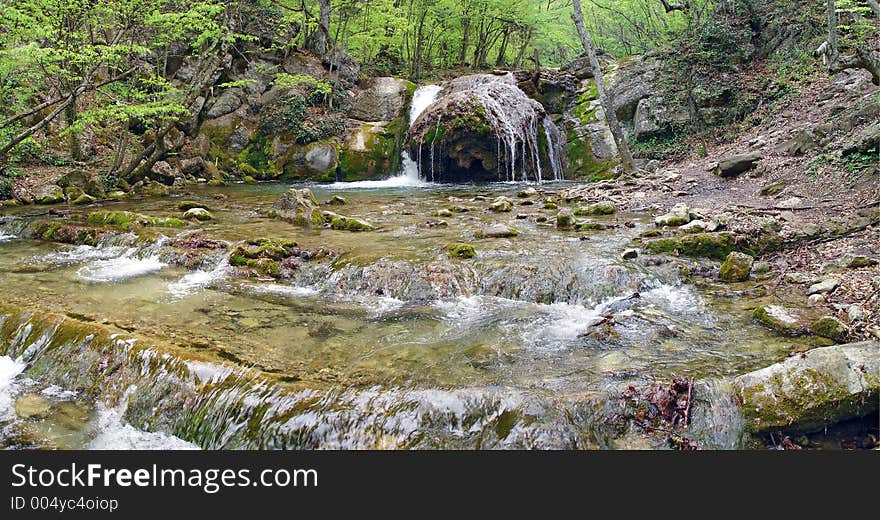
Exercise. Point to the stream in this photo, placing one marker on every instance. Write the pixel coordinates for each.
(390, 343)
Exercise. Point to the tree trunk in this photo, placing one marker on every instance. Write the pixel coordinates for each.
(73, 137)
(832, 32)
(322, 35)
(626, 160)
(875, 6)
(465, 37)
(502, 51)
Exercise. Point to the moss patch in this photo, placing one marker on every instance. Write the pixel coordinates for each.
(710, 245)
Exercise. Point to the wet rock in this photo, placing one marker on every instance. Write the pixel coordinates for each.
(343, 223)
(337, 200)
(813, 390)
(526, 193)
(300, 207)
(699, 226)
(828, 285)
(831, 328)
(443, 213)
(126, 219)
(604, 208)
(200, 214)
(737, 164)
(32, 406)
(501, 205)
(679, 215)
(321, 158)
(565, 219)
(710, 245)
(497, 231)
(736, 268)
(379, 99)
(781, 319)
(630, 254)
(83, 199)
(591, 226)
(49, 194)
(761, 268)
(461, 250)
(186, 205)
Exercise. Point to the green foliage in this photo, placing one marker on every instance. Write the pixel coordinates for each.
(668, 146)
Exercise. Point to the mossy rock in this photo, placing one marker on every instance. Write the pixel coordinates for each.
(812, 391)
(337, 200)
(67, 234)
(590, 226)
(736, 268)
(497, 231)
(831, 328)
(602, 208)
(781, 319)
(501, 205)
(461, 250)
(443, 212)
(83, 199)
(679, 215)
(186, 205)
(343, 223)
(710, 245)
(128, 219)
(200, 214)
(565, 219)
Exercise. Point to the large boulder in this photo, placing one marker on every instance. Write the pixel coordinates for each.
(299, 207)
(736, 268)
(227, 103)
(483, 128)
(380, 99)
(812, 390)
(866, 141)
(735, 165)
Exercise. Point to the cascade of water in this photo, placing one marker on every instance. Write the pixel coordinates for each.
(423, 97)
(554, 140)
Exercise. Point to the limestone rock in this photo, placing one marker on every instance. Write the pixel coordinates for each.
(736, 268)
(735, 165)
(299, 207)
(679, 215)
(813, 390)
(379, 99)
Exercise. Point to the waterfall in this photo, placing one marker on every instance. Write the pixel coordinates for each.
(554, 142)
(423, 97)
(515, 120)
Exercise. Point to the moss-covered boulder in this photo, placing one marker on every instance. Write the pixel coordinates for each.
(736, 268)
(813, 390)
(337, 200)
(602, 208)
(64, 233)
(565, 219)
(781, 319)
(299, 207)
(496, 231)
(710, 245)
(679, 215)
(591, 226)
(51, 194)
(831, 328)
(125, 219)
(461, 250)
(83, 199)
(273, 257)
(200, 214)
(343, 223)
(186, 205)
(501, 205)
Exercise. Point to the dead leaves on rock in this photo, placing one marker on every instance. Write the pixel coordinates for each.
(663, 408)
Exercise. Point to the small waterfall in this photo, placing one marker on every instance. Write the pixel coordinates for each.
(554, 144)
(473, 103)
(423, 97)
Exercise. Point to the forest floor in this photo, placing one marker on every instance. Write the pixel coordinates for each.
(808, 185)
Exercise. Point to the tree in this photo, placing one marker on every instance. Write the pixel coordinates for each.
(626, 160)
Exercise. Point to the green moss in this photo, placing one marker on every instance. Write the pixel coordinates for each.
(831, 328)
(67, 233)
(583, 164)
(590, 226)
(128, 218)
(584, 111)
(343, 223)
(710, 245)
(461, 250)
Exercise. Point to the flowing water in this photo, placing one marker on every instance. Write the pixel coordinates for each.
(391, 343)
